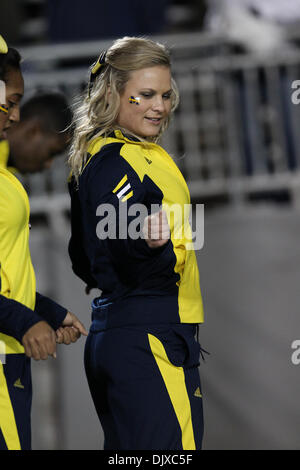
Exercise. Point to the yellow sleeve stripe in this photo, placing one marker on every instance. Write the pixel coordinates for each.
(127, 196)
(174, 380)
(119, 185)
(7, 417)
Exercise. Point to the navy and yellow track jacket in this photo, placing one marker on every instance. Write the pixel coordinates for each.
(20, 305)
(140, 284)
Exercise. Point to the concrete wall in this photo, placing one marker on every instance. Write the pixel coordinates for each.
(250, 274)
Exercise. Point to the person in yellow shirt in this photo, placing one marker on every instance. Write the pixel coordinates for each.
(30, 324)
(42, 133)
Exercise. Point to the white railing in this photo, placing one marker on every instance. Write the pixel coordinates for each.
(236, 130)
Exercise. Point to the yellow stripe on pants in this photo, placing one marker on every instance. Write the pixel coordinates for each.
(174, 380)
(7, 418)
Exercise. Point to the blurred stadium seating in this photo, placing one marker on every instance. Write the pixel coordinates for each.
(235, 134)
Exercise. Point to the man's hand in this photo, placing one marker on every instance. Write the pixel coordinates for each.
(39, 341)
(156, 229)
(70, 330)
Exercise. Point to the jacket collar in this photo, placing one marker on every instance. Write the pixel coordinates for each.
(121, 135)
(4, 157)
(4, 153)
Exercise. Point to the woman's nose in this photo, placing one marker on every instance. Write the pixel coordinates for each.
(158, 104)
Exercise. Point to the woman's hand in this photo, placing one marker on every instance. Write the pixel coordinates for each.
(71, 330)
(67, 335)
(156, 229)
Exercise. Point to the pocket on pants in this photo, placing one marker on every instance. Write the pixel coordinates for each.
(180, 345)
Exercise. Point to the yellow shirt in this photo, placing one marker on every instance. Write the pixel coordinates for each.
(4, 153)
(16, 270)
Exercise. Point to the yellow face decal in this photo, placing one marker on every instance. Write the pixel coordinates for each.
(135, 100)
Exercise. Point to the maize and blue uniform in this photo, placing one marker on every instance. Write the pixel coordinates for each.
(141, 355)
(20, 308)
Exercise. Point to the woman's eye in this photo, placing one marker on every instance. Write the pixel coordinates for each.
(167, 96)
(147, 95)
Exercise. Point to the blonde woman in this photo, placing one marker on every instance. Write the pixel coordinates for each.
(141, 355)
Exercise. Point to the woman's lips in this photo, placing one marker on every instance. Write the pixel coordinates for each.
(155, 121)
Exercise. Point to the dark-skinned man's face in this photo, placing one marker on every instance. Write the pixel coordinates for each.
(32, 148)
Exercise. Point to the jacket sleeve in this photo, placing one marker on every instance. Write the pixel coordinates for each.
(16, 318)
(50, 311)
(79, 259)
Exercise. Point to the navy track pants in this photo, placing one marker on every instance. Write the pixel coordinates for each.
(145, 384)
(15, 403)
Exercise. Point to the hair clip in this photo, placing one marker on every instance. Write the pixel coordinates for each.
(3, 46)
(98, 64)
(95, 68)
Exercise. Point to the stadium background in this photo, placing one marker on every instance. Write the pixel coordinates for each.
(236, 138)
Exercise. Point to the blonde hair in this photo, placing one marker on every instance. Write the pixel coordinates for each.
(95, 115)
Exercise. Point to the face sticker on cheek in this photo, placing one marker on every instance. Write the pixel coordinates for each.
(3, 106)
(135, 100)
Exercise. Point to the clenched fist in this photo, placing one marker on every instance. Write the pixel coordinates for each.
(156, 229)
(71, 330)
